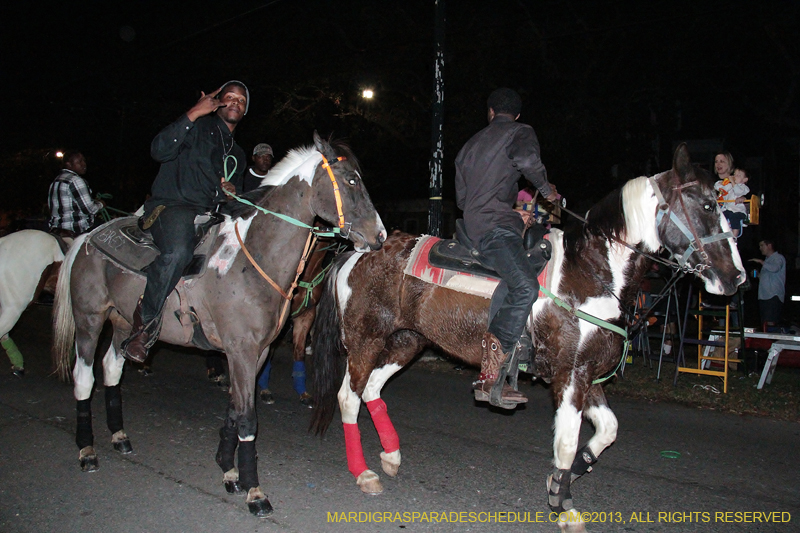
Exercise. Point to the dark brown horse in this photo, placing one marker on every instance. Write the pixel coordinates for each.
(240, 311)
(380, 318)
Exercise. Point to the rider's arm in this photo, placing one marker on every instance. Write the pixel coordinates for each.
(523, 151)
(167, 144)
(83, 197)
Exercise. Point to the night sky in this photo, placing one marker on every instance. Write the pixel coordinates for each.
(609, 86)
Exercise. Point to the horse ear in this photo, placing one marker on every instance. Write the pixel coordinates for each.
(323, 146)
(681, 162)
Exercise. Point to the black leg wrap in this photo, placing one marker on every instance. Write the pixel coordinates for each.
(559, 497)
(248, 469)
(83, 435)
(583, 462)
(228, 441)
(114, 408)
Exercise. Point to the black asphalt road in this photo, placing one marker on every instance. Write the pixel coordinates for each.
(457, 458)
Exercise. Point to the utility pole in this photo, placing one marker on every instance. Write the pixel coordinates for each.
(437, 142)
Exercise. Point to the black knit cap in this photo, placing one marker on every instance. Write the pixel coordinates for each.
(505, 100)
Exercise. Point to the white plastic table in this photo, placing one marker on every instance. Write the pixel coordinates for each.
(780, 342)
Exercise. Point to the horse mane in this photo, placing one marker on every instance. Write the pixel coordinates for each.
(626, 214)
(300, 162)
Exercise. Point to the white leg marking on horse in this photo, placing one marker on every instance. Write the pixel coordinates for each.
(247, 438)
(222, 260)
(83, 376)
(567, 430)
(377, 379)
(349, 402)
(112, 367)
(605, 425)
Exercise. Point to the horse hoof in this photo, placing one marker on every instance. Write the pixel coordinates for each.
(369, 482)
(258, 503)
(390, 462)
(88, 459)
(571, 522)
(124, 447)
(267, 397)
(233, 487)
(307, 400)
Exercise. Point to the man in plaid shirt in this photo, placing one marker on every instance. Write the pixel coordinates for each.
(72, 208)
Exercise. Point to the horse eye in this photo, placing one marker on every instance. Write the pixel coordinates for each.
(351, 181)
(708, 207)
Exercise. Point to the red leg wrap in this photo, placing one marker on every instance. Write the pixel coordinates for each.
(355, 454)
(389, 439)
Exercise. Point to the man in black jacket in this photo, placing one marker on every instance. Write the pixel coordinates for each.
(488, 168)
(197, 153)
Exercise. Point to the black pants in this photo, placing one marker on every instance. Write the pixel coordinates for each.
(174, 234)
(770, 310)
(503, 250)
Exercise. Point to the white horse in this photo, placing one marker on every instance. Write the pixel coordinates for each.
(28, 258)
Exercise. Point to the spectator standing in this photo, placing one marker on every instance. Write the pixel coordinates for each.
(772, 283)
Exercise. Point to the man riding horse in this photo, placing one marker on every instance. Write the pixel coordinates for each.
(488, 168)
(197, 152)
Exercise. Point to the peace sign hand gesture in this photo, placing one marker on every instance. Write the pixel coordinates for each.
(206, 105)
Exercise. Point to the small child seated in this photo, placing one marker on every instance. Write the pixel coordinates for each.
(732, 199)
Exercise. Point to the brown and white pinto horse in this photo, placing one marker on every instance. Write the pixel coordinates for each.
(240, 311)
(381, 318)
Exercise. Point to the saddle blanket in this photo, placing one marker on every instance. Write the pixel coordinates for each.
(419, 267)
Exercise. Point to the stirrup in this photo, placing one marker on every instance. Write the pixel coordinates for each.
(509, 369)
(526, 354)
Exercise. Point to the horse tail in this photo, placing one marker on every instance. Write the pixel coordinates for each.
(63, 319)
(327, 361)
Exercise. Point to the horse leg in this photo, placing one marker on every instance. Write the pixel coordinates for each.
(301, 326)
(88, 327)
(226, 453)
(349, 405)
(112, 372)
(83, 377)
(401, 348)
(390, 456)
(242, 411)
(14, 355)
(605, 424)
(565, 445)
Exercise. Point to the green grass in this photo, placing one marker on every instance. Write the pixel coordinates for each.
(780, 399)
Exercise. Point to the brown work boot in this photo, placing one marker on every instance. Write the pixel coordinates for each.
(493, 358)
(137, 345)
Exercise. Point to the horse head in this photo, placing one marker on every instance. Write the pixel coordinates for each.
(339, 197)
(691, 225)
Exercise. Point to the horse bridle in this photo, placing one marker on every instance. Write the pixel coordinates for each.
(337, 195)
(696, 243)
(344, 231)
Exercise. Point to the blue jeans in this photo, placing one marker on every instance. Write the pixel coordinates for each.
(503, 251)
(174, 234)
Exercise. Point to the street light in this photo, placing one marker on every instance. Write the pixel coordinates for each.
(367, 94)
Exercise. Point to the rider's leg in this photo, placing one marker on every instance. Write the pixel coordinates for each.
(174, 234)
(502, 247)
